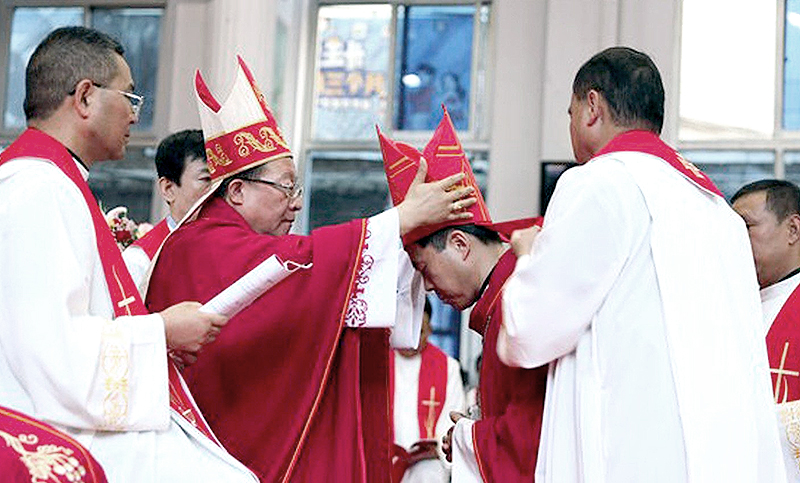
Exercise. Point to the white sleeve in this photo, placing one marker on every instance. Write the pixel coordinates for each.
(138, 263)
(553, 294)
(390, 293)
(62, 357)
(410, 305)
(465, 464)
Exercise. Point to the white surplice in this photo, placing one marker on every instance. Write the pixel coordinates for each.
(772, 300)
(406, 418)
(56, 321)
(641, 290)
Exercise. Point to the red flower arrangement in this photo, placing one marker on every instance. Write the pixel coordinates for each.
(125, 230)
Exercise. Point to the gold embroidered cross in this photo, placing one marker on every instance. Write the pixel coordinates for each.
(430, 421)
(124, 303)
(781, 371)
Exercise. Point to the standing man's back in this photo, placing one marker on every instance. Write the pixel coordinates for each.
(640, 293)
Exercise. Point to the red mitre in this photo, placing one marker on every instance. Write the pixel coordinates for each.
(240, 133)
(445, 157)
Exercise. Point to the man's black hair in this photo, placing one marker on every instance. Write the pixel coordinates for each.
(175, 150)
(631, 84)
(65, 57)
(438, 239)
(782, 197)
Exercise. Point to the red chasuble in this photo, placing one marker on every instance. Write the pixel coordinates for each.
(506, 439)
(153, 239)
(37, 452)
(288, 389)
(121, 289)
(783, 349)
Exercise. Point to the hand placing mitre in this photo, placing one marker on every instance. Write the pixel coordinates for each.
(434, 202)
(447, 439)
(188, 329)
(522, 240)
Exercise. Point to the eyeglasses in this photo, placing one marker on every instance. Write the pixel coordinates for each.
(136, 100)
(292, 192)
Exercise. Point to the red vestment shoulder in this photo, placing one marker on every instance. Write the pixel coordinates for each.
(506, 439)
(287, 389)
(36, 451)
(153, 239)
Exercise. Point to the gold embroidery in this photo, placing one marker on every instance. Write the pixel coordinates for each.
(48, 462)
(243, 139)
(691, 167)
(217, 157)
(430, 420)
(781, 372)
(398, 162)
(409, 165)
(790, 418)
(275, 136)
(115, 365)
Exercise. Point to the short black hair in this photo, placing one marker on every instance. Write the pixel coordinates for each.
(631, 84)
(782, 197)
(64, 58)
(175, 149)
(438, 239)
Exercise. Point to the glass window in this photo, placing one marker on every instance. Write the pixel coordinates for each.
(727, 71)
(350, 94)
(28, 27)
(434, 65)
(792, 160)
(445, 326)
(128, 182)
(138, 30)
(791, 66)
(730, 170)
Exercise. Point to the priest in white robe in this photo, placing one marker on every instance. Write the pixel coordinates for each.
(425, 393)
(640, 293)
(77, 349)
(771, 210)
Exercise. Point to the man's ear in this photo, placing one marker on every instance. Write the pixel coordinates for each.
(82, 99)
(793, 225)
(234, 193)
(460, 242)
(597, 107)
(167, 189)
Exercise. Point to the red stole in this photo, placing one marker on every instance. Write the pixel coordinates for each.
(288, 389)
(124, 295)
(506, 439)
(52, 455)
(649, 143)
(432, 390)
(783, 349)
(153, 239)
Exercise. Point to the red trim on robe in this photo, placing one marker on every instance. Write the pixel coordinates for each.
(153, 239)
(122, 291)
(290, 391)
(783, 349)
(506, 439)
(649, 143)
(24, 435)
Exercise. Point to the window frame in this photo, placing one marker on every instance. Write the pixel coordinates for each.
(782, 140)
(138, 138)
